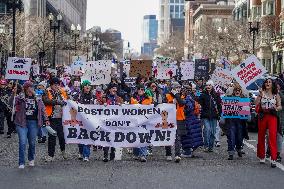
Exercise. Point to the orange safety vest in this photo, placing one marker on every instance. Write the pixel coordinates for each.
(48, 108)
(146, 101)
(180, 108)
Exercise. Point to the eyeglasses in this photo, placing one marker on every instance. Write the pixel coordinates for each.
(141, 89)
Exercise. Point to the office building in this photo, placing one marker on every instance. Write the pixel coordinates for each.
(150, 34)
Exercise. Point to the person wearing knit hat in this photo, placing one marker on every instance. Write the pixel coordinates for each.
(210, 103)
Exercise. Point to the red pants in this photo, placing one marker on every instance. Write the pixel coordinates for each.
(267, 122)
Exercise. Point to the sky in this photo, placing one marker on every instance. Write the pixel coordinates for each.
(123, 15)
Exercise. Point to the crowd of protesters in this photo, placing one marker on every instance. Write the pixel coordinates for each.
(39, 103)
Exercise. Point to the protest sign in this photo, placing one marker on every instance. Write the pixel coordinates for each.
(201, 68)
(140, 67)
(187, 70)
(126, 67)
(119, 126)
(222, 79)
(225, 63)
(18, 68)
(98, 72)
(248, 71)
(35, 68)
(235, 107)
(166, 69)
(78, 65)
(130, 81)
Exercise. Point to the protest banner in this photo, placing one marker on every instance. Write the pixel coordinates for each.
(78, 65)
(98, 72)
(222, 79)
(201, 68)
(119, 126)
(18, 68)
(166, 69)
(187, 70)
(235, 107)
(248, 71)
(140, 67)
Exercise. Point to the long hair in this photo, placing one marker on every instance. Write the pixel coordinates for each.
(274, 87)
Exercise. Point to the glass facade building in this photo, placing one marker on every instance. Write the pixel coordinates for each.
(150, 34)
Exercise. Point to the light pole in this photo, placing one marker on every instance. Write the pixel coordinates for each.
(54, 26)
(75, 31)
(254, 29)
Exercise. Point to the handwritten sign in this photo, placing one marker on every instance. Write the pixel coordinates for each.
(187, 70)
(248, 71)
(222, 79)
(201, 68)
(18, 68)
(235, 107)
(166, 69)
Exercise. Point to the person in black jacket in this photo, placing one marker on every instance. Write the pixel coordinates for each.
(211, 109)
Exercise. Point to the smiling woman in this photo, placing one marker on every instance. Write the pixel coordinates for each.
(125, 16)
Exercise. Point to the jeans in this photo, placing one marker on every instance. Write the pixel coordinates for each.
(140, 152)
(84, 150)
(29, 134)
(209, 132)
(234, 136)
(56, 124)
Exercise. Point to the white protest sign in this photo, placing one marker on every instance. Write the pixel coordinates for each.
(35, 68)
(18, 68)
(78, 65)
(166, 69)
(98, 72)
(120, 126)
(222, 79)
(67, 69)
(248, 71)
(187, 70)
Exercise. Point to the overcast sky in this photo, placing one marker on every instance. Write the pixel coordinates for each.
(123, 15)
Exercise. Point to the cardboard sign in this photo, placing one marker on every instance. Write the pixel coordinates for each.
(222, 79)
(140, 67)
(78, 65)
(119, 126)
(187, 70)
(201, 68)
(166, 69)
(18, 68)
(98, 72)
(248, 71)
(235, 107)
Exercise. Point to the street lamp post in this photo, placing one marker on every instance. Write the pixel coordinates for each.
(254, 29)
(76, 33)
(54, 26)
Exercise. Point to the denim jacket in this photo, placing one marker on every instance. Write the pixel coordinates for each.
(20, 111)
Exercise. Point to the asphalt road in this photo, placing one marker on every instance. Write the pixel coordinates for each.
(209, 170)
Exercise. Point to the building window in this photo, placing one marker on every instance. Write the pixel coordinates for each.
(270, 8)
(282, 4)
(172, 1)
(2, 8)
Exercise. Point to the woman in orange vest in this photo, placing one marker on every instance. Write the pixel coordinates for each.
(54, 100)
(175, 97)
(139, 97)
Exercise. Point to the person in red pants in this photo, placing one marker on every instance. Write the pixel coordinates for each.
(268, 103)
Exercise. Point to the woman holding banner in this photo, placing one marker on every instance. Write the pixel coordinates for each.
(268, 103)
(29, 116)
(139, 97)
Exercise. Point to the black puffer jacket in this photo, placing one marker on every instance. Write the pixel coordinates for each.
(211, 107)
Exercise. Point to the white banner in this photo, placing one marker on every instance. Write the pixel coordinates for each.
(248, 71)
(187, 70)
(222, 79)
(166, 69)
(120, 126)
(18, 68)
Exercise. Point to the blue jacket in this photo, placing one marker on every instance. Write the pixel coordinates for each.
(193, 138)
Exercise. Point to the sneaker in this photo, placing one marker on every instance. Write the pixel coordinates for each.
(21, 166)
(169, 158)
(80, 157)
(143, 159)
(218, 144)
(105, 160)
(48, 159)
(205, 149)
(273, 164)
(279, 158)
(240, 154)
(262, 161)
(231, 157)
(32, 163)
(86, 159)
(64, 155)
(210, 150)
(177, 159)
(95, 148)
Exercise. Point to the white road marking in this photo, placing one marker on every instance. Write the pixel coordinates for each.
(279, 165)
